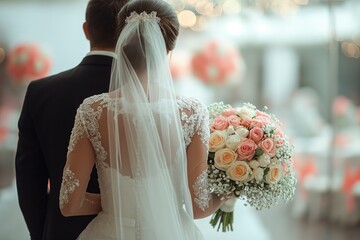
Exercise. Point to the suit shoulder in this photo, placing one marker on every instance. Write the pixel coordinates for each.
(50, 81)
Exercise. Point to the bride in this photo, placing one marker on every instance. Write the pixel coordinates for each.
(148, 145)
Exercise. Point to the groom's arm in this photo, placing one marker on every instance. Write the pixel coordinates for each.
(31, 173)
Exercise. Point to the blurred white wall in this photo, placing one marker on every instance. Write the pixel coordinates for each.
(55, 26)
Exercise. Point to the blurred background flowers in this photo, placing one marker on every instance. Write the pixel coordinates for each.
(301, 58)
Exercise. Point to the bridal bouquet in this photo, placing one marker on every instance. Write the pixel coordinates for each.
(249, 157)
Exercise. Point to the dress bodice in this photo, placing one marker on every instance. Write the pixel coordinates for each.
(91, 121)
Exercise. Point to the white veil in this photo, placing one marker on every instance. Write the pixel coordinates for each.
(145, 135)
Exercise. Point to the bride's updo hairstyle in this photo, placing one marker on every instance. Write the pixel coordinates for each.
(169, 24)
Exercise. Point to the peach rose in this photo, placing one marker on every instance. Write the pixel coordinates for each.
(220, 123)
(224, 158)
(233, 141)
(239, 171)
(228, 112)
(217, 140)
(268, 146)
(234, 121)
(256, 134)
(242, 132)
(246, 149)
(275, 174)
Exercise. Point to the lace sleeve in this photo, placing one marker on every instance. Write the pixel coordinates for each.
(68, 186)
(197, 153)
(78, 131)
(77, 170)
(202, 127)
(202, 191)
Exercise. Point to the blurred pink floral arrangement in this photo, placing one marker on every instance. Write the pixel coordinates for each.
(27, 62)
(218, 64)
(249, 157)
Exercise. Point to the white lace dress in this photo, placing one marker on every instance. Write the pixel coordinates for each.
(89, 146)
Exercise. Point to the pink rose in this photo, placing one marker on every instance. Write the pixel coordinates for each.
(220, 123)
(234, 121)
(263, 114)
(279, 132)
(246, 149)
(280, 136)
(256, 134)
(228, 112)
(268, 146)
(257, 122)
(246, 123)
(285, 168)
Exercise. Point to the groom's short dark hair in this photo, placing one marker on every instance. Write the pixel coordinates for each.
(101, 22)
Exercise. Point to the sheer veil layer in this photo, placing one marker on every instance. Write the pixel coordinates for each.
(145, 136)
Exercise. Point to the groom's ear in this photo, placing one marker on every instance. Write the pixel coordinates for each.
(85, 31)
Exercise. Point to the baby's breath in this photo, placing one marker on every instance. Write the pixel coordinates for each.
(215, 109)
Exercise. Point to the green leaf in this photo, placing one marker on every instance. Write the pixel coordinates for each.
(258, 152)
(266, 171)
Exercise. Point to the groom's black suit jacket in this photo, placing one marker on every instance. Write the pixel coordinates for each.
(45, 126)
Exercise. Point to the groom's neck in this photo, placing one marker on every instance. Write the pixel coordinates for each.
(102, 49)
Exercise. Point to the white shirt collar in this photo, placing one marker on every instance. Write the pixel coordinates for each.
(104, 53)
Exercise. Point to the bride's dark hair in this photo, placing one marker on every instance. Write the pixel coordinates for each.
(169, 24)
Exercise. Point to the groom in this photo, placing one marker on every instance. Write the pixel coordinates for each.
(46, 122)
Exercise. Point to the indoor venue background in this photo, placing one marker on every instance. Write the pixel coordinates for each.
(300, 58)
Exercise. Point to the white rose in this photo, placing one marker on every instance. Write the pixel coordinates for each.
(245, 113)
(264, 160)
(233, 141)
(254, 164)
(230, 130)
(242, 132)
(275, 174)
(258, 174)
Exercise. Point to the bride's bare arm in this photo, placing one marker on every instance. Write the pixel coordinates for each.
(74, 200)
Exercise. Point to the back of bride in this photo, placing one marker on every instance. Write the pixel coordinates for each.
(149, 146)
